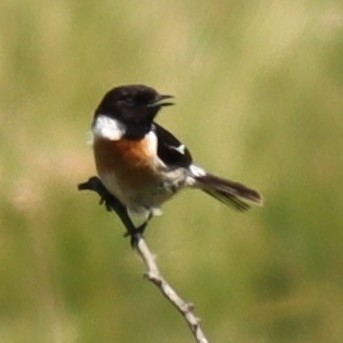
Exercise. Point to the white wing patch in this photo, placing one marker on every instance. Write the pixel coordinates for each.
(180, 149)
(197, 171)
(106, 127)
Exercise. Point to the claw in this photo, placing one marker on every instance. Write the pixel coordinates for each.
(113, 204)
(135, 234)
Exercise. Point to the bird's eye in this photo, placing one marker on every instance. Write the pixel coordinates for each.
(126, 101)
(129, 101)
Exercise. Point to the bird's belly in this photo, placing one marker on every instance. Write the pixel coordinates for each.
(127, 171)
(131, 194)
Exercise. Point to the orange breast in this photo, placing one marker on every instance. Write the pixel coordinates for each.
(128, 160)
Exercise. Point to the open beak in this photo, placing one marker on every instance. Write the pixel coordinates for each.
(159, 101)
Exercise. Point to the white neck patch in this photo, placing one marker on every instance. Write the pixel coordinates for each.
(109, 128)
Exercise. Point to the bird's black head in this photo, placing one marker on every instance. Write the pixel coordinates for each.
(133, 105)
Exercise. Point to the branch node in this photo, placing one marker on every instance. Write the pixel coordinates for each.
(190, 307)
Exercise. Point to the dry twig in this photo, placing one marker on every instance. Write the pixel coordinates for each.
(153, 274)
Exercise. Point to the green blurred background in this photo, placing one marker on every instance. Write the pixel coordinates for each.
(259, 91)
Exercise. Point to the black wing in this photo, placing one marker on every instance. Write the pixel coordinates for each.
(170, 150)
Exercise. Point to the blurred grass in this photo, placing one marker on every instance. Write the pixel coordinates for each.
(261, 83)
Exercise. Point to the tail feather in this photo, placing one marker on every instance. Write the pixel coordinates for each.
(229, 192)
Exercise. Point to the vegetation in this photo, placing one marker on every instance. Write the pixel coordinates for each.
(259, 98)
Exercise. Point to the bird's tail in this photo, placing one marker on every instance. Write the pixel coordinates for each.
(229, 192)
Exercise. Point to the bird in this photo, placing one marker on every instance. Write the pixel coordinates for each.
(143, 165)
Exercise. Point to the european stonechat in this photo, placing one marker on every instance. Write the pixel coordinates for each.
(142, 164)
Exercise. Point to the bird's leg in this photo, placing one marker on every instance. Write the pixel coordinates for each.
(113, 204)
(138, 232)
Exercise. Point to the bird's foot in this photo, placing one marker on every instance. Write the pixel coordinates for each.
(106, 198)
(136, 234)
(113, 204)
